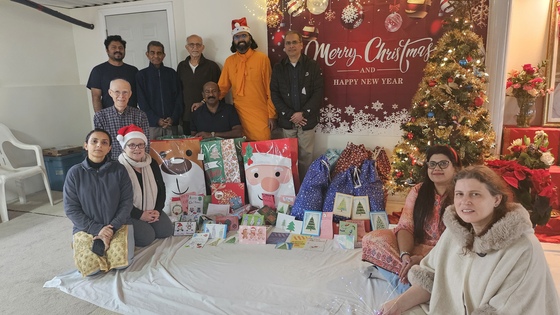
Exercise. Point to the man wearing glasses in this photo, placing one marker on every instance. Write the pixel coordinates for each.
(247, 74)
(193, 73)
(296, 88)
(119, 115)
(102, 74)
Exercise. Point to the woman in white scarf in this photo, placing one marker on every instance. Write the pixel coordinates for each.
(148, 187)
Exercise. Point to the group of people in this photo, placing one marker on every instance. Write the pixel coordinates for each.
(160, 100)
(461, 246)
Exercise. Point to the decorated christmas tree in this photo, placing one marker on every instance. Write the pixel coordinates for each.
(311, 225)
(360, 209)
(449, 107)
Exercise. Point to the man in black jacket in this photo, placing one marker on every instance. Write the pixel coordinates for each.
(296, 89)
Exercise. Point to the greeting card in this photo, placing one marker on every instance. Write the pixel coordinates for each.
(252, 234)
(269, 215)
(215, 230)
(311, 223)
(299, 241)
(184, 228)
(216, 209)
(268, 200)
(348, 228)
(379, 221)
(344, 241)
(361, 228)
(197, 240)
(326, 225)
(360, 208)
(286, 245)
(231, 221)
(253, 219)
(277, 237)
(343, 205)
(315, 244)
(232, 194)
(284, 208)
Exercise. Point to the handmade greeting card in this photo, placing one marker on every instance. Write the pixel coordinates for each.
(360, 208)
(232, 239)
(348, 228)
(175, 209)
(344, 241)
(287, 246)
(252, 234)
(198, 240)
(216, 209)
(231, 221)
(253, 219)
(326, 225)
(193, 206)
(269, 215)
(379, 221)
(277, 237)
(184, 228)
(315, 244)
(311, 223)
(298, 240)
(284, 208)
(268, 200)
(361, 228)
(283, 220)
(343, 205)
(215, 230)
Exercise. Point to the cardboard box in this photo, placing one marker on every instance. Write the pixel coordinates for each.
(62, 150)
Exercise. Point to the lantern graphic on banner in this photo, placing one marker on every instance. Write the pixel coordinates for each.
(352, 15)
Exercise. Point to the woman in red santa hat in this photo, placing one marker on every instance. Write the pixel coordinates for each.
(148, 220)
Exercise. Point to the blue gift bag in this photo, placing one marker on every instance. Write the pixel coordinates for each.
(370, 185)
(313, 188)
(343, 182)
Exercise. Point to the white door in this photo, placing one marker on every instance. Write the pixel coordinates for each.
(138, 29)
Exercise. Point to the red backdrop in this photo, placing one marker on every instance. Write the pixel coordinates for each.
(372, 54)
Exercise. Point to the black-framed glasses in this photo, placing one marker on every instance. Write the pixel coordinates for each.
(294, 42)
(133, 146)
(442, 164)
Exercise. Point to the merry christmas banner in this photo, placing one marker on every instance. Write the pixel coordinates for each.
(372, 53)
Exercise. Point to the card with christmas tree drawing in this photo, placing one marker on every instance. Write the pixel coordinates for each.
(288, 223)
(360, 208)
(311, 223)
(379, 221)
(343, 205)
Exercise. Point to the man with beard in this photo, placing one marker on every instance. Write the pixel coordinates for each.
(194, 72)
(102, 74)
(215, 118)
(247, 73)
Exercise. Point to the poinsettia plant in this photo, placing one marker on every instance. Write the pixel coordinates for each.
(533, 188)
(534, 154)
(529, 82)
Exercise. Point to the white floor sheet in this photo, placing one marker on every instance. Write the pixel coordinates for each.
(167, 278)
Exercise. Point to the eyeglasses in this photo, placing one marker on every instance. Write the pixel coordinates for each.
(119, 93)
(133, 146)
(295, 42)
(442, 164)
(193, 45)
(240, 36)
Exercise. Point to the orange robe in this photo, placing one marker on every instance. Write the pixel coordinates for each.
(248, 76)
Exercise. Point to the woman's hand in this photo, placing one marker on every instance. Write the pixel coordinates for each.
(106, 234)
(407, 262)
(150, 216)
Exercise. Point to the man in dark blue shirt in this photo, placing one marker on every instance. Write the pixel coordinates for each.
(215, 118)
(159, 93)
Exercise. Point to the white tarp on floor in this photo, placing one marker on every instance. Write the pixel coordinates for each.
(167, 278)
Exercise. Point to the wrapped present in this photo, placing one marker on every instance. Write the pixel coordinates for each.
(228, 193)
(221, 160)
(181, 167)
(270, 168)
(313, 189)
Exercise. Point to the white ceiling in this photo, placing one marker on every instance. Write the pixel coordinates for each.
(73, 4)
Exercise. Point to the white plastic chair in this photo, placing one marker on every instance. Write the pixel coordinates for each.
(8, 172)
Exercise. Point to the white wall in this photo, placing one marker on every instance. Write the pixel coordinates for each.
(45, 62)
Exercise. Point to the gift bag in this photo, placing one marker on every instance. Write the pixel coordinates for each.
(313, 189)
(270, 168)
(221, 163)
(352, 155)
(342, 183)
(370, 185)
(181, 167)
(382, 164)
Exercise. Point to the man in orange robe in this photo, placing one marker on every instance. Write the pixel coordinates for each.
(247, 72)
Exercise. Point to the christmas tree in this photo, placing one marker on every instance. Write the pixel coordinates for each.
(449, 106)
(360, 209)
(311, 225)
(291, 226)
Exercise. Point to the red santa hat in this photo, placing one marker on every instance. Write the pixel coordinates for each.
(240, 25)
(130, 132)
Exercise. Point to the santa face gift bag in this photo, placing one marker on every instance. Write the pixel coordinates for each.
(269, 170)
(180, 167)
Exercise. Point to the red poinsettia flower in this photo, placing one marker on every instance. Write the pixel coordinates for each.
(528, 68)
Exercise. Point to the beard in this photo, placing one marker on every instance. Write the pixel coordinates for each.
(242, 47)
(118, 56)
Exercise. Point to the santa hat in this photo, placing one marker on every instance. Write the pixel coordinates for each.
(268, 159)
(238, 26)
(130, 132)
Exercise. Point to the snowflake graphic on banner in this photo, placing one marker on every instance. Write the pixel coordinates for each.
(349, 110)
(349, 14)
(377, 105)
(479, 13)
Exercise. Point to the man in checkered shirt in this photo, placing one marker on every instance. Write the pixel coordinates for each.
(113, 118)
